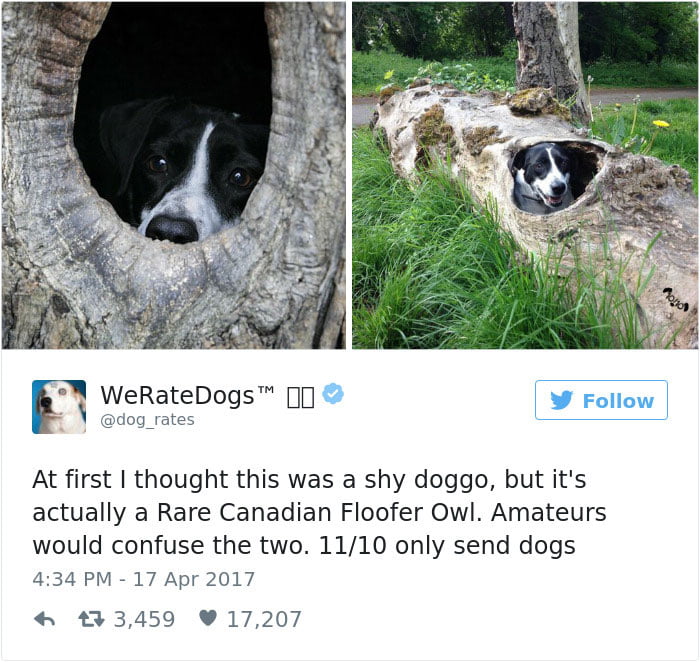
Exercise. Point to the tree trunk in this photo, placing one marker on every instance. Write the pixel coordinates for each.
(75, 275)
(633, 215)
(548, 52)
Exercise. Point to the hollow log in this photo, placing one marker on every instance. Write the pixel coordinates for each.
(77, 276)
(632, 213)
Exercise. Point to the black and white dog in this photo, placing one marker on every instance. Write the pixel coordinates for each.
(542, 176)
(181, 171)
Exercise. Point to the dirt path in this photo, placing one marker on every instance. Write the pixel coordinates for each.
(363, 107)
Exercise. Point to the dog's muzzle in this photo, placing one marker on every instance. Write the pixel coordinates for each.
(177, 230)
(45, 403)
(558, 190)
(554, 200)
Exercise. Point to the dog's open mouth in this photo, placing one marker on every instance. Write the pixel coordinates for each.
(553, 201)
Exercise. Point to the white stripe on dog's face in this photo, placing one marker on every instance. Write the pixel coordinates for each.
(191, 199)
(554, 176)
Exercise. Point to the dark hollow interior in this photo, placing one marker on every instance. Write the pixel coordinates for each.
(587, 165)
(216, 54)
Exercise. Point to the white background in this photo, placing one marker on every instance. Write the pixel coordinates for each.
(629, 592)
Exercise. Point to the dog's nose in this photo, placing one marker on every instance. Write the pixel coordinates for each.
(45, 402)
(177, 230)
(558, 188)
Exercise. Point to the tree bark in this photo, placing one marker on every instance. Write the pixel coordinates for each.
(633, 215)
(75, 275)
(548, 52)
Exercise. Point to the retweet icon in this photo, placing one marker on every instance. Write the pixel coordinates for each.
(561, 401)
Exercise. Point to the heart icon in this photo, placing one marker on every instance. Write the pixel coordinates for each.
(208, 617)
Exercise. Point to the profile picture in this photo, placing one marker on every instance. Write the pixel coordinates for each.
(59, 406)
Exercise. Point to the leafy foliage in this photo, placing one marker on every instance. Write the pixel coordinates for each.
(463, 76)
(637, 31)
(608, 31)
(368, 70)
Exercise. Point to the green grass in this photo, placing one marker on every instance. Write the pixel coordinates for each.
(676, 144)
(632, 74)
(368, 71)
(431, 270)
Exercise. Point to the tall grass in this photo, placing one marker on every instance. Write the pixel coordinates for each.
(432, 270)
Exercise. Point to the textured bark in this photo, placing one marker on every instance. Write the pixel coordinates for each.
(548, 52)
(75, 275)
(624, 201)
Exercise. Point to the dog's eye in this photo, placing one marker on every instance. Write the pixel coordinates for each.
(157, 164)
(539, 168)
(61, 391)
(241, 178)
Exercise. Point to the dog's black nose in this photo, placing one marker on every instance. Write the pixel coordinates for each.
(177, 230)
(558, 189)
(45, 402)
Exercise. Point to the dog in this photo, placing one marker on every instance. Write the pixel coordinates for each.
(60, 405)
(180, 171)
(542, 176)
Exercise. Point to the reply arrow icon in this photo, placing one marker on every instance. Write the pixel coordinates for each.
(42, 618)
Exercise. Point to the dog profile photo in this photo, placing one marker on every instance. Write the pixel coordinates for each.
(59, 407)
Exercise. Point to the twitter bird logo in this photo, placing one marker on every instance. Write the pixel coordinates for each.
(561, 401)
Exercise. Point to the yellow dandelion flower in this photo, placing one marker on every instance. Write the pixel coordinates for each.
(661, 123)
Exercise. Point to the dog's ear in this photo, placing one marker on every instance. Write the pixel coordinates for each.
(80, 398)
(123, 129)
(38, 402)
(517, 162)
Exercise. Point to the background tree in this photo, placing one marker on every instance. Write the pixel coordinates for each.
(638, 31)
(418, 29)
(618, 31)
(548, 52)
(485, 27)
(368, 22)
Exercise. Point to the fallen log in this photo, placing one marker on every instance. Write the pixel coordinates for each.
(632, 214)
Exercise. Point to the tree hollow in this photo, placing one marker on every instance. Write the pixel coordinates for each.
(75, 275)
